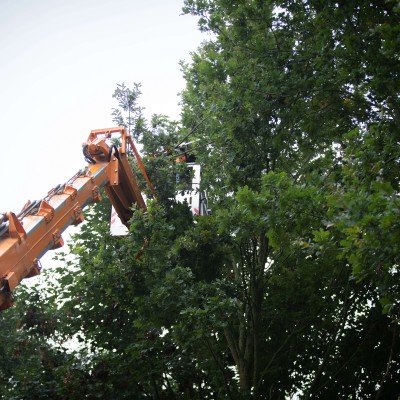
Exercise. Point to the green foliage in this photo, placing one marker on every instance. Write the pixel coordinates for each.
(363, 211)
(307, 209)
(128, 102)
(279, 85)
(291, 287)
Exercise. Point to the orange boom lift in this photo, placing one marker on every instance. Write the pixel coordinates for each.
(26, 237)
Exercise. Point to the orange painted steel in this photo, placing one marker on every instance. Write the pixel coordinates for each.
(31, 234)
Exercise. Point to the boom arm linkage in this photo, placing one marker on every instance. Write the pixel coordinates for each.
(26, 237)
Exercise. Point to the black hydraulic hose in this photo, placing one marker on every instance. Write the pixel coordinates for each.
(86, 154)
(113, 147)
(30, 208)
(3, 228)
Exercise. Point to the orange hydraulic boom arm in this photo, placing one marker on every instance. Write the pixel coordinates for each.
(26, 237)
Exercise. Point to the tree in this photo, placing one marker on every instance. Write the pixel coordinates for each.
(290, 288)
(276, 92)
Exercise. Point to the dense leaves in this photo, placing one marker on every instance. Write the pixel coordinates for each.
(290, 289)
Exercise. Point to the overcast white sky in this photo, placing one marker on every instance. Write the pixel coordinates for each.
(60, 63)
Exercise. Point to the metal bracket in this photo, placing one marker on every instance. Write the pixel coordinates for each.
(15, 229)
(71, 191)
(57, 239)
(78, 216)
(46, 211)
(96, 194)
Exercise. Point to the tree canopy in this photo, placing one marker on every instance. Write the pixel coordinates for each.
(290, 287)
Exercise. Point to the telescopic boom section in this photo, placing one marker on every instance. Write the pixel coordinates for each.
(26, 237)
